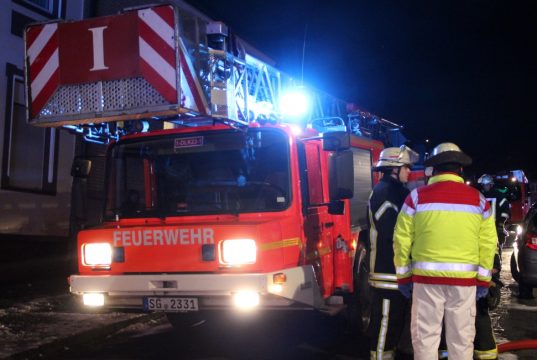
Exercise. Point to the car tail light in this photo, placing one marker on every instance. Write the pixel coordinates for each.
(531, 240)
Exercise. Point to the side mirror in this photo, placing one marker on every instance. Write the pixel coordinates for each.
(336, 207)
(336, 141)
(81, 168)
(341, 175)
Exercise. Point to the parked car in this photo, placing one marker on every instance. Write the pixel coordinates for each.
(524, 257)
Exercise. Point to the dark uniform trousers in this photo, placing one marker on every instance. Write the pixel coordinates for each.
(484, 342)
(389, 316)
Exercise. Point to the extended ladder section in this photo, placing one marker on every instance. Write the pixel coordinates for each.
(161, 62)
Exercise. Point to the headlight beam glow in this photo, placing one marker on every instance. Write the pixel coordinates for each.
(246, 300)
(93, 299)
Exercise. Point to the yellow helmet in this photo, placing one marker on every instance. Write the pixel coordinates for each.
(396, 157)
(447, 152)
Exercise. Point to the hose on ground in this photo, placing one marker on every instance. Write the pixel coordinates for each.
(517, 345)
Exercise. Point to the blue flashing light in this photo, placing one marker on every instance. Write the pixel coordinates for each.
(295, 103)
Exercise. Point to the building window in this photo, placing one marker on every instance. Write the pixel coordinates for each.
(53, 9)
(30, 153)
(45, 5)
(19, 22)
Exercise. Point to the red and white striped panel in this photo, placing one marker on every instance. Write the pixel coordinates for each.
(157, 50)
(42, 51)
(158, 62)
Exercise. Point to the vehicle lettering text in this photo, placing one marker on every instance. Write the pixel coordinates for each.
(158, 237)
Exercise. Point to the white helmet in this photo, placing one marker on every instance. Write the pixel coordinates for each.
(445, 153)
(485, 179)
(396, 157)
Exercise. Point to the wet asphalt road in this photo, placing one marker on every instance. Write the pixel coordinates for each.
(307, 335)
(277, 336)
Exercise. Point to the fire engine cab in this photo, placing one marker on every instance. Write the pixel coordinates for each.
(216, 195)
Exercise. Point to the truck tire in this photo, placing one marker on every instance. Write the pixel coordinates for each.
(514, 269)
(360, 308)
(525, 291)
(364, 297)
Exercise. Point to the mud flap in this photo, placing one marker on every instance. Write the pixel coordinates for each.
(301, 286)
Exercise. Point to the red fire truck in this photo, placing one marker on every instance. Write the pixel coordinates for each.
(221, 204)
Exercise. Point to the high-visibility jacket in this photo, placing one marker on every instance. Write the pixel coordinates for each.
(445, 235)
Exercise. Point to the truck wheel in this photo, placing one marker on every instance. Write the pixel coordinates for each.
(360, 311)
(525, 291)
(514, 269)
(364, 302)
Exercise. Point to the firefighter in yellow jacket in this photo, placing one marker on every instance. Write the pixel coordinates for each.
(444, 245)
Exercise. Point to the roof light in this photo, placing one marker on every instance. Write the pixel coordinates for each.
(295, 103)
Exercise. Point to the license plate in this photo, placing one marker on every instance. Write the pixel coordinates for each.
(170, 304)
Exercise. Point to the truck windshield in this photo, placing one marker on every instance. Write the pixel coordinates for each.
(204, 173)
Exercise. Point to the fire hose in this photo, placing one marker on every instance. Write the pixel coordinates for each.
(517, 345)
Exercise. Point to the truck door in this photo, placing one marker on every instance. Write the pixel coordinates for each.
(318, 223)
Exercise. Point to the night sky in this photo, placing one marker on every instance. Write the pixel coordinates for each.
(460, 71)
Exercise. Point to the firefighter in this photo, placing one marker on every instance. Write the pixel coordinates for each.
(389, 307)
(444, 245)
(484, 342)
(499, 202)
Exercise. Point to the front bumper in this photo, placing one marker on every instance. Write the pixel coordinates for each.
(214, 291)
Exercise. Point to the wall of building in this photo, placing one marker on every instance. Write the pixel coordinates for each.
(34, 163)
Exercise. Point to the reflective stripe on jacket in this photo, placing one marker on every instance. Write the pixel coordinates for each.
(445, 234)
(500, 205)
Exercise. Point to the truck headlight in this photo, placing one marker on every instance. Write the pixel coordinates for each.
(97, 254)
(238, 252)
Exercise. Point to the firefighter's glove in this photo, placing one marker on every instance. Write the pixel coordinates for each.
(481, 292)
(494, 296)
(406, 290)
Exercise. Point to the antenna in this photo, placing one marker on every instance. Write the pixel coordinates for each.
(304, 53)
